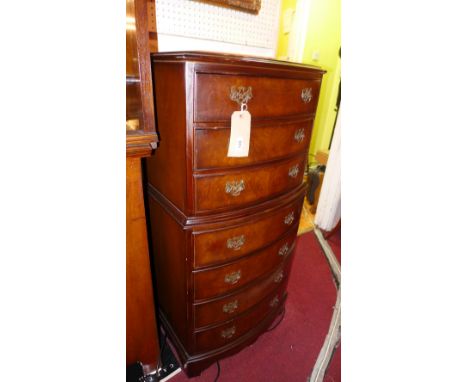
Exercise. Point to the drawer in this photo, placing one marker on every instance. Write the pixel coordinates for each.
(227, 278)
(229, 307)
(227, 244)
(236, 188)
(268, 142)
(222, 335)
(218, 95)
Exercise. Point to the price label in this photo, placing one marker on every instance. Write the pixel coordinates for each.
(239, 141)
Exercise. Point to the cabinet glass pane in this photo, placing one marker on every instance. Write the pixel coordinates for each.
(134, 119)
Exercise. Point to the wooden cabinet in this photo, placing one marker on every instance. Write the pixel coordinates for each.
(140, 126)
(224, 229)
(142, 336)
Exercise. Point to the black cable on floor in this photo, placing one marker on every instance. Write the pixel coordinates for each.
(279, 322)
(219, 372)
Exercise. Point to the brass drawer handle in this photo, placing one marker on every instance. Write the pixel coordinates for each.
(306, 95)
(299, 135)
(236, 242)
(289, 218)
(234, 188)
(229, 332)
(241, 94)
(231, 306)
(274, 302)
(293, 171)
(279, 276)
(232, 278)
(283, 250)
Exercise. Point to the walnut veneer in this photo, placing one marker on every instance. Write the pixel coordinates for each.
(224, 229)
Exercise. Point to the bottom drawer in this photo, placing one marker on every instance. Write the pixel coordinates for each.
(217, 337)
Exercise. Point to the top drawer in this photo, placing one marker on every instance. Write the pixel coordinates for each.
(217, 96)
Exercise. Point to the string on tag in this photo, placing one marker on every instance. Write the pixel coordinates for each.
(243, 108)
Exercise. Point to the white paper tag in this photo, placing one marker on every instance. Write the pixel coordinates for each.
(239, 141)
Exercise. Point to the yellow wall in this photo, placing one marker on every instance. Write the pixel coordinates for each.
(323, 36)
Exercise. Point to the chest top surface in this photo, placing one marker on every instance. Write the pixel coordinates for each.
(222, 58)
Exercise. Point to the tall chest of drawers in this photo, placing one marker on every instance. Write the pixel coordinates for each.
(223, 229)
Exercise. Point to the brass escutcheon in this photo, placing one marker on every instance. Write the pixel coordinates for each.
(278, 277)
(306, 95)
(299, 135)
(241, 94)
(274, 302)
(230, 307)
(232, 278)
(236, 242)
(283, 250)
(235, 187)
(229, 332)
(289, 218)
(293, 171)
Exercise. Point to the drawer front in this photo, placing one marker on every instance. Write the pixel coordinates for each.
(228, 244)
(218, 95)
(227, 308)
(224, 279)
(241, 188)
(267, 143)
(214, 338)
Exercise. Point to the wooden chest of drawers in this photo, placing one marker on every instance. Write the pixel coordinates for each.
(223, 229)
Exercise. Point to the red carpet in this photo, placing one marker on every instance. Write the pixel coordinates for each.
(288, 353)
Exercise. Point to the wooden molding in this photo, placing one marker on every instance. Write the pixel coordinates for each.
(141, 145)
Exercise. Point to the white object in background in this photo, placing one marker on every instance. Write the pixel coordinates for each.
(298, 35)
(331, 342)
(193, 25)
(288, 20)
(334, 332)
(170, 43)
(329, 205)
